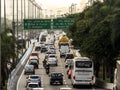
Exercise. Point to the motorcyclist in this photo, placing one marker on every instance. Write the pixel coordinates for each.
(47, 67)
(44, 62)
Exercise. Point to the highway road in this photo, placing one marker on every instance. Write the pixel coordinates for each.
(45, 78)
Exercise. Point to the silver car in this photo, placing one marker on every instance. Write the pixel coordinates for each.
(32, 85)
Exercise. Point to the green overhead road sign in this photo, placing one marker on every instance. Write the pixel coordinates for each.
(37, 24)
(62, 23)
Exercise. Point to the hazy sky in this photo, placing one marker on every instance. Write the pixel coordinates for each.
(54, 4)
(49, 5)
(57, 3)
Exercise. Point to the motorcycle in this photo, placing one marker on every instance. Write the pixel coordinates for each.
(47, 70)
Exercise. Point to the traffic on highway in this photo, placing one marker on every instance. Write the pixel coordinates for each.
(54, 65)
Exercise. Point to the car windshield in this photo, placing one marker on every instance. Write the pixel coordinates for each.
(70, 56)
(33, 85)
(29, 67)
(52, 56)
(51, 59)
(34, 77)
(56, 75)
(33, 61)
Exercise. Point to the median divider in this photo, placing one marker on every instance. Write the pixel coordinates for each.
(15, 74)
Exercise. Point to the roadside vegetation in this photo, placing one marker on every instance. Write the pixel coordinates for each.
(97, 34)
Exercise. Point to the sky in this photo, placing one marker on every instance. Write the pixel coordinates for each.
(55, 4)
(48, 5)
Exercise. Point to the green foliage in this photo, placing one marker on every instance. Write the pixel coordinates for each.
(97, 32)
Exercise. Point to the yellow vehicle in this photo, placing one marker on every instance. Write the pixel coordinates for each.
(64, 45)
(63, 38)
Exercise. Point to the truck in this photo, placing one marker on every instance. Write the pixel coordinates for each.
(63, 45)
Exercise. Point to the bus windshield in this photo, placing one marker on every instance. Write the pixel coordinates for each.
(83, 64)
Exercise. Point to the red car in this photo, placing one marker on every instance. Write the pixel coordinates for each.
(35, 54)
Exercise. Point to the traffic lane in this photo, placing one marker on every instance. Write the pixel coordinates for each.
(46, 78)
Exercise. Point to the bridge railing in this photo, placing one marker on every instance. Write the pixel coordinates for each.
(15, 74)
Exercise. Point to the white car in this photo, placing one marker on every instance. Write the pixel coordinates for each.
(32, 85)
(52, 61)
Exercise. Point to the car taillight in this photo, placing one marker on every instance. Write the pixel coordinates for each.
(74, 77)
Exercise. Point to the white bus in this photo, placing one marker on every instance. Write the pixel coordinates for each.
(82, 71)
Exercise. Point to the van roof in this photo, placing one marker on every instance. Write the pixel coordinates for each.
(81, 58)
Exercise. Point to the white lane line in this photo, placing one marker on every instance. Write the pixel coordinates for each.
(19, 79)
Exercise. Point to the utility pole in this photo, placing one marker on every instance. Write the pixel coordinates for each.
(4, 14)
(24, 18)
(22, 24)
(13, 27)
(0, 45)
(17, 27)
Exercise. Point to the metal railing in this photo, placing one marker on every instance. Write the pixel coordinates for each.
(15, 74)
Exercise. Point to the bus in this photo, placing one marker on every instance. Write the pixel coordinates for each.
(82, 71)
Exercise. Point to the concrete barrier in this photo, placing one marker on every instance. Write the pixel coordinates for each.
(15, 74)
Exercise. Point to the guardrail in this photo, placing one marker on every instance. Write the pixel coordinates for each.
(15, 74)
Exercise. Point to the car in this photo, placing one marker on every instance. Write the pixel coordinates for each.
(52, 50)
(32, 85)
(56, 77)
(37, 48)
(29, 69)
(34, 62)
(43, 49)
(52, 59)
(33, 78)
(35, 54)
(69, 56)
(34, 58)
(47, 53)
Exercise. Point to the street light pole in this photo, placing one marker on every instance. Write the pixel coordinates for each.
(22, 24)
(0, 45)
(5, 14)
(17, 27)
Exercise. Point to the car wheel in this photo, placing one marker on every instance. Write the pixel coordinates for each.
(61, 83)
(74, 86)
(50, 83)
(40, 84)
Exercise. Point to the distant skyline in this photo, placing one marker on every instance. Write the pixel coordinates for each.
(49, 6)
(59, 4)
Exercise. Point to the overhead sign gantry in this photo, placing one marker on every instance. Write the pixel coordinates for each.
(60, 23)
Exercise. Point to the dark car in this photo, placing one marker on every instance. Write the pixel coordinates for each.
(29, 69)
(34, 62)
(69, 56)
(43, 49)
(56, 78)
(33, 78)
(37, 48)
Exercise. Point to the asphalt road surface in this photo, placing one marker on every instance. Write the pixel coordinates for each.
(45, 78)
